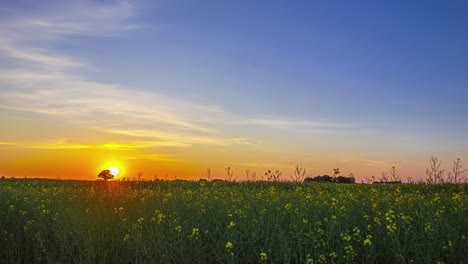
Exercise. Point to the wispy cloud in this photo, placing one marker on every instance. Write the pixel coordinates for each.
(156, 157)
(265, 165)
(61, 145)
(182, 138)
(36, 77)
(39, 79)
(55, 146)
(373, 163)
(297, 124)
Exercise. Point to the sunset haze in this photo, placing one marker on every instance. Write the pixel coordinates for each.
(169, 89)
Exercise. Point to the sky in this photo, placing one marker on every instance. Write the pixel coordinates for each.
(172, 88)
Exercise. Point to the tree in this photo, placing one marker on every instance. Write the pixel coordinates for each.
(106, 175)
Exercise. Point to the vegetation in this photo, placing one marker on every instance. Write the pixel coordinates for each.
(47, 221)
(106, 175)
(327, 178)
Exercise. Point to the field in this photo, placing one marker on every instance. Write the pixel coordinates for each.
(48, 221)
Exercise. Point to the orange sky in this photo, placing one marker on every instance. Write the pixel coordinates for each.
(85, 85)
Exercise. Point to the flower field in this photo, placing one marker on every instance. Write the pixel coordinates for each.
(48, 221)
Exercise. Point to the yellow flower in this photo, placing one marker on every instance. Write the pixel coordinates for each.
(263, 256)
(229, 245)
(126, 237)
(231, 224)
(392, 227)
(367, 242)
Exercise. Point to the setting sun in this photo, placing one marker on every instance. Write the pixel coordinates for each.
(114, 170)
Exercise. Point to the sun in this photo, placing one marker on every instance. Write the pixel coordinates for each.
(114, 170)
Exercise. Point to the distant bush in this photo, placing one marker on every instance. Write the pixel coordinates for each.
(327, 178)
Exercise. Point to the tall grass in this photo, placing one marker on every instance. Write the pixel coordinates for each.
(46, 221)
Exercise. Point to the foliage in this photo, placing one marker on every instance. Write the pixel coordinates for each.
(327, 178)
(48, 221)
(106, 175)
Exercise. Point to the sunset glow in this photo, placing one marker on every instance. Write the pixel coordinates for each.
(170, 90)
(114, 170)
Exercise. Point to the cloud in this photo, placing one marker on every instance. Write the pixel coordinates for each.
(56, 147)
(155, 157)
(373, 163)
(292, 123)
(35, 77)
(183, 138)
(8, 143)
(265, 165)
(40, 80)
(62, 145)
(52, 20)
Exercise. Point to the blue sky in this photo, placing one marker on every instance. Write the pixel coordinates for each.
(320, 83)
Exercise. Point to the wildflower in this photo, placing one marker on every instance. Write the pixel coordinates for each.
(229, 245)
(288, 206)
(195, 233)
(345, 237)
(392, 227)
(263, 256)
(88, 210)
(178, 228)
(126, 237)
(367, 241)
(231, 224)
(161, 218)
(457, 197)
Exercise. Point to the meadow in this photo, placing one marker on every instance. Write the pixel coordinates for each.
(51, 221)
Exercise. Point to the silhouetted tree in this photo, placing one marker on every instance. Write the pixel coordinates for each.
(327, 178)
(106, 175)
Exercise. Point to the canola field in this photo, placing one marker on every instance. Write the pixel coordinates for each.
(48, 221)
